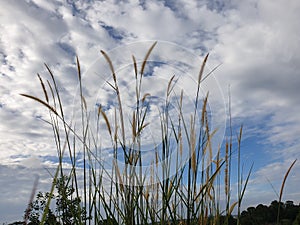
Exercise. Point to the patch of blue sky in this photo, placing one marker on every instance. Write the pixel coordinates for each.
(11, 68)
(3, 58)
(151, 66)
(252, 145)
(148, 156)
(217, 5)
(170, 4)
(114, 33)
(143, 3)
(75, 10)
(54, 159)
(18, 156)
(175, 6)
(202, 49)
(109, 104)
(4, 61)
(79, 161)
(67, 48)
(204, 35)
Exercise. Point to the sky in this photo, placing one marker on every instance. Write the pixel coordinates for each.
(254, 43)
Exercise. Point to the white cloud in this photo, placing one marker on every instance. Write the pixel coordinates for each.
(16, 186)
(257, 42)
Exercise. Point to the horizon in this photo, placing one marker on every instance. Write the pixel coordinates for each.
(254, 44)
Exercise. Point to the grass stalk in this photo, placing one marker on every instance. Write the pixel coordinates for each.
(122, 195)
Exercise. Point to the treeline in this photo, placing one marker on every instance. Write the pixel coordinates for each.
(289, 214)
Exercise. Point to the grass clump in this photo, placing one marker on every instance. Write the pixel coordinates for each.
(134, 191)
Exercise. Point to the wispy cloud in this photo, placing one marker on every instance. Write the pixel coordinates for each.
(257, 43)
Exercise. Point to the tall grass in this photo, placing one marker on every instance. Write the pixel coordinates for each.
(127, 193)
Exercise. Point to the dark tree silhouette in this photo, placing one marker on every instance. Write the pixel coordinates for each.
(267, 215)
(68, 210)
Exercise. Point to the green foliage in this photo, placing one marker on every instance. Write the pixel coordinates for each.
(67, 207)
(37, 207)
(297, 220)
(263, 214)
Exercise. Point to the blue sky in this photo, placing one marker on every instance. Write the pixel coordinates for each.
(256, 42)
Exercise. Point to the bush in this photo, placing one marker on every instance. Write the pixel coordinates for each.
(67, 208)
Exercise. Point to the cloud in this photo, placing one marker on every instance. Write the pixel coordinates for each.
(260, 55)
(257, 43)
(16, 187)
